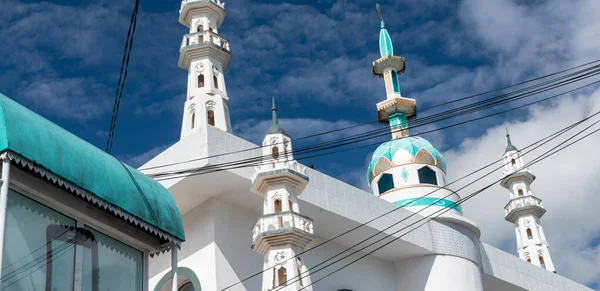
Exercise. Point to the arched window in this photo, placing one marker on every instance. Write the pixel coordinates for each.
(193, 119)
(215, 82)
(211, 117)
(542, 263)
(201, 81)
(395, 82)
(529, 234)
(278, 206)
(427, 176)
(291, 204)
(275, 152)
(520, 192)
(514, 164)
(281, 276)
(529, 260)
(199, 28)
(385, 183)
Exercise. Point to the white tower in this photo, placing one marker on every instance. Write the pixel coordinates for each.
(281, 233)
(205, 55)
(524, 210)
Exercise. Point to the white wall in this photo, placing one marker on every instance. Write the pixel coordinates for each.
(197, 252)
(438, 272)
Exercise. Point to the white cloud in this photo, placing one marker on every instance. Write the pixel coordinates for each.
(73, 98)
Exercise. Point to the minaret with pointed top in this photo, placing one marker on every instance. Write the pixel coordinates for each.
(281, 233)
(205, 55)
(524, 210)
(395, 110)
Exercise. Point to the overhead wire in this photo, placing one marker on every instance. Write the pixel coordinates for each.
(258, 160)
(412, 121)
(545, 155)
(122, 76)
(541, 142)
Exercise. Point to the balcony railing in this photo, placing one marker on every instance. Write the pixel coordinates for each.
(205, 36)
(275, 165)
(282, 220)
(523, 201)
(218, 2)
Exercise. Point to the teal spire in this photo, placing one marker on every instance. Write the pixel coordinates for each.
(510, 146)
(385, 42)
(275, 127)
(274, 110)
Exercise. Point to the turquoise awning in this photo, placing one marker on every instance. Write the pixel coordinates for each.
(45, 144)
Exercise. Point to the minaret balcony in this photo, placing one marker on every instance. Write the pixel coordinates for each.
(523, 205)
(204, 37)
(204, 44)
(271, 172)
(280, 228)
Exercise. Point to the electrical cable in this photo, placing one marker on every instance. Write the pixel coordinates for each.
(370, 122)
(444, 210)
(122, 76)
(542, 141)
(249, 163)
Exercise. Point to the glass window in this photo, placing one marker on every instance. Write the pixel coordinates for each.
(109, 264)
(385, 183)
(427, 176)
(39, 247)
(395, 82)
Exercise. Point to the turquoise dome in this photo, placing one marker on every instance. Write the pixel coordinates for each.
(413, 150)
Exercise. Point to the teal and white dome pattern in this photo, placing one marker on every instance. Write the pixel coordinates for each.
(403, 151)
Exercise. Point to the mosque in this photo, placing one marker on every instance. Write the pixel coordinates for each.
(73, 217)
(278, 221)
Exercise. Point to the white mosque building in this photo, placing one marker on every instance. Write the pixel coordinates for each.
(265, 221)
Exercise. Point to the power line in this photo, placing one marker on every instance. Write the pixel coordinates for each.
(542, 141)
(442, 211)
(510, 86)
(258, 160)
(417, 120)
(122, 76)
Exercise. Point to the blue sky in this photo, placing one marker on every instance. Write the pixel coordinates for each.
(61, 59)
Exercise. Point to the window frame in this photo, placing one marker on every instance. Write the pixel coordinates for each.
(85, 214)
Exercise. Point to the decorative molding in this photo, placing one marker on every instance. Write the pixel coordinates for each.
(210, 103)
(91, 198)
(200, 67)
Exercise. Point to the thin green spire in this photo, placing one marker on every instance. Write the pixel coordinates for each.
(274, 110)
(510, 146)
(275, 127)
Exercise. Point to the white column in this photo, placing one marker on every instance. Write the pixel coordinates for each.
(174, 266)
(3, 200)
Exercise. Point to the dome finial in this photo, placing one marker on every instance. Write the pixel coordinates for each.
(274, 110)
(379, 12)
(385, 42)
(275, 127)
(510, 146)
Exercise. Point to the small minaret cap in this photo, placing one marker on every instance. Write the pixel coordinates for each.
(275, 127)
(510, 147)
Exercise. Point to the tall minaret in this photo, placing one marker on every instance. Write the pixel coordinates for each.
(410, 172)
(524, 210)
(395, 110)
(205, 55)
(281, 233)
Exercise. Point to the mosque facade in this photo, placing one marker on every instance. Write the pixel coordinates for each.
(271, 227)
